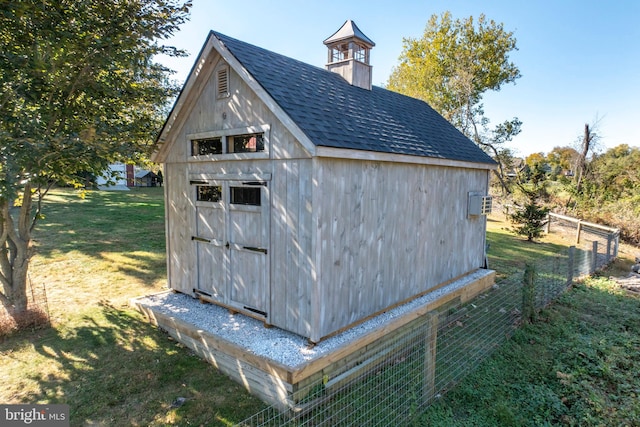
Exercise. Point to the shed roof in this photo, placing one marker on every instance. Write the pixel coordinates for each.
(333, 113)
(144, 173)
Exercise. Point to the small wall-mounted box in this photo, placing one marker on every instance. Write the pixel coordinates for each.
(479, 204)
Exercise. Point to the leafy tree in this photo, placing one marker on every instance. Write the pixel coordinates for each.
(534, 159)
(564, 157)
(613, 175)
(451, 66)
(79, 90)
(531, 217)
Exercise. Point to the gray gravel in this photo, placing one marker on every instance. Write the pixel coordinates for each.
(276, 344)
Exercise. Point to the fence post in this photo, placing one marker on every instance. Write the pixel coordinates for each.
(579, 229)
(609, 241)
(571, 260)
(548, 222)
(594, 257)
(615, 250)
(431, 338)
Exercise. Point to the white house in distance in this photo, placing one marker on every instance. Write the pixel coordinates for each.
(306, 197)
(121, 176)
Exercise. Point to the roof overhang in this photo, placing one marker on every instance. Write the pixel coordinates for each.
(194, 83)
(342, 153)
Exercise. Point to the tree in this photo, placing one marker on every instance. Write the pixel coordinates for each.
(79, 90)
(451, 66)
(531, 217)
(588, 139)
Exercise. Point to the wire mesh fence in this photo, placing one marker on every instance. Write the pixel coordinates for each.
(607, 239)
(36, 313)
(437, 352)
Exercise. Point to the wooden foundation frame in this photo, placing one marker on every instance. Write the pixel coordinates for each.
(285, 386)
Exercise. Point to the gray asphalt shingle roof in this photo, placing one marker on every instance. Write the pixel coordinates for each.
(332, 113)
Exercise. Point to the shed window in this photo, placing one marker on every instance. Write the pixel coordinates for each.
(245, 196)
(249, 143)
(209, 193)
(202, 147)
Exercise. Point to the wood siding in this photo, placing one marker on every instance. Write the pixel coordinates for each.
(288, 165)
(388, 232)
(347, 238)
(292, 261)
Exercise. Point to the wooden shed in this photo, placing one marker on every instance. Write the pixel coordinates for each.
(308, 198)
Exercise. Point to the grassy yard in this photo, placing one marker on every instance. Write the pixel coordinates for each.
(101, 357)
(578, 365)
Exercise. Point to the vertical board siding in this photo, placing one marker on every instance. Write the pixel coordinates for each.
(291, 260)
(240, 109)
(181, 226)
(347, 238)
(390, 231)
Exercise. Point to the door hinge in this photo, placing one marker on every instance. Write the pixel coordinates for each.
(263, 183)
(200, 239)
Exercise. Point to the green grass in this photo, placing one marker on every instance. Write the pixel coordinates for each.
(101, 357)
(579, 364)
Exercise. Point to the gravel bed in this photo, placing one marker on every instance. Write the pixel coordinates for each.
(273, 343)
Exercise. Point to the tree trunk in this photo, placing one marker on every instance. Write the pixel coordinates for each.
(15, 252)
(582, 161)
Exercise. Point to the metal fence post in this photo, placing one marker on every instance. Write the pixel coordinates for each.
(570, 261)
(594, 257)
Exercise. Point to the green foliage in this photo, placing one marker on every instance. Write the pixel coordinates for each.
(451, 66)
(610, 192)
(454, 63)
(579, 366)
(79, 85)
(79, 90)
(529, 220)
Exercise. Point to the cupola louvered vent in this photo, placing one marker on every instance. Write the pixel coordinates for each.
(223, 82)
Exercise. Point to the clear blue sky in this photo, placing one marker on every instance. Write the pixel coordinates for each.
(579, 59)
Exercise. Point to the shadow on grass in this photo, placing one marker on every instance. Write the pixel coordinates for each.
(123, 229)
(113, 368)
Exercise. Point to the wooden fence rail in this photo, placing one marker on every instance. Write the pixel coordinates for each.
(611, 234)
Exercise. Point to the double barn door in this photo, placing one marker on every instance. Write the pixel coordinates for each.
(232, 243)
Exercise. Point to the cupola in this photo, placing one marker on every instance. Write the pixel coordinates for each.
(349, 55)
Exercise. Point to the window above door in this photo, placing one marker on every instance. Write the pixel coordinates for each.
(251, 142)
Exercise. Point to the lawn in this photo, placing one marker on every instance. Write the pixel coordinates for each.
(579, 364)
(93, 255)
